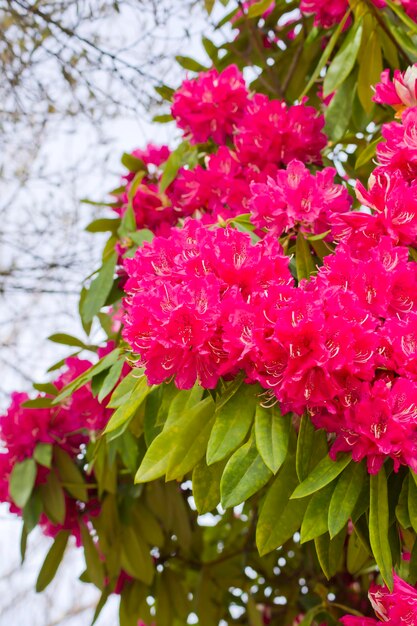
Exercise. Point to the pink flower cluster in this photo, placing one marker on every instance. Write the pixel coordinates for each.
(327, 13)
(192, 298)
(393, 608)
(207, 303)
(211, 105)
(296, 197)
(68, 426)
(399, 151)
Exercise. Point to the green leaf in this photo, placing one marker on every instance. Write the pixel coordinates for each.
(401, 510)
(93, 562)
(99, 289)
(280, 517)
(67, 340)
(326, 54)
(38, 403)
(244, 475)
(258, 8)
(357, 554)
(233, 420)
(104, 363)
(412, 503)
(53, 498)
(136, 558)
(71, 477)
(368, 153)
(52, 560)
(190, 64)
(343, 63)
(110, 380)
(345, 497)
(184, 154)
(303, 259)
(32, 511)
(330, 552)
(323, 474)
(43, 454)
(128, 409)
(379, 525)
(206, 485)
(124, 389)
(22, 481)
(180, 446)
(103, 225)
(315, 519)
(140, 236)
(370, 68)
(132, 163)
(403, 16)
(272, 432)
(311, 447)
(164, 118)
(208, 5)
(339, 111)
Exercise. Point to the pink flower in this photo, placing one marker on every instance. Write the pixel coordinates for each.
(210, 106)
(394, 608)
(184, 291)
(326, 12)
(395, 202)
(399, 152)
(271, 132)
(294, 197)
(401, 91)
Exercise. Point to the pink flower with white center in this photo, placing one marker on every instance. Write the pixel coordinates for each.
(394, 608)
(401, 91)
(395, 202)
(296, 197)
(399, 151)
(210, 106)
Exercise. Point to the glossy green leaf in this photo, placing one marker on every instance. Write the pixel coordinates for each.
(368, 153)
(339, 111)
(370, 68)
(401, 510)
(32, 510)
(110, 380)
(67, 340)
(315, 522)
(180, 446)
(344, 61)
(190, 64)
(99, 289)
(127, 410)
(132, 163)
(206, 485)
(303, 259)
(357, 554)
(326, 54)
(43, 454)
(258, 8)
(345, 497)
(412, 503)
(323, 474)
(70, 475)
(379, 525)
(233, 420)
(22, 481)
(53, 498)
(94, 564)
(272, 431)
(280, 517)
(245, 474)
(330, 552)
(53, 560)
(136, 558)
(311, 447)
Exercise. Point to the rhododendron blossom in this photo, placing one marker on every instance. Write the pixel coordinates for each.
(272, 132)
(210, 106)
(295, 196)
(396, 608)
(401, 91)
(399, 151)
(327, 13)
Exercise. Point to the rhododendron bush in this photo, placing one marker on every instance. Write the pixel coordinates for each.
(241, 448)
